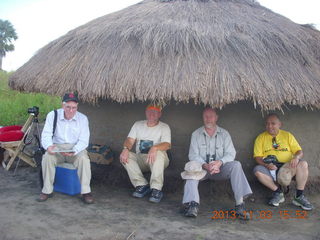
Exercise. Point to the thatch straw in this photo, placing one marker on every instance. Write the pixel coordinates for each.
(210, 51)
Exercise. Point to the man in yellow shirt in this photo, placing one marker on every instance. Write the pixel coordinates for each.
(288, 152)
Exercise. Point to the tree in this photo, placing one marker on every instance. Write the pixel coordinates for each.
(7, 35)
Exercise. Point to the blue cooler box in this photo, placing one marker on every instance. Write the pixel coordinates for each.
(67, 180)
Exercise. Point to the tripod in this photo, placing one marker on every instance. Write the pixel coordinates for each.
(37, 149)
(15, 149)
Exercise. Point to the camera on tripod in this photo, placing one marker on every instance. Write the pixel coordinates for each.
(34, 110)
(33, 120)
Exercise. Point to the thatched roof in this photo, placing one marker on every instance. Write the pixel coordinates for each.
(210, 51)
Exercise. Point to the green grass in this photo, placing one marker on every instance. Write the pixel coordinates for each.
(14, 105)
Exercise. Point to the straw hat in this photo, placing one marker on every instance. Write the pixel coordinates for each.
(193, 170)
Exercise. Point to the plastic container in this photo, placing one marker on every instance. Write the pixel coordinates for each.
(274, 175)
(67, 180)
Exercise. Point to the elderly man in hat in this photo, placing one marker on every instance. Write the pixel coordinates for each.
(211, 156)
(153, 139)
(65, 137)
(283, 148)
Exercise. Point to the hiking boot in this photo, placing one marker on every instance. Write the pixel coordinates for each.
(184, 208)
(156, 196)
(141, 191)
(277, 198)
(241, 212)
(302, 202)
(192, 210)
(44, 197)
(87, 198)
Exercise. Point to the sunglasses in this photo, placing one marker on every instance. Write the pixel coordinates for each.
(275, 145)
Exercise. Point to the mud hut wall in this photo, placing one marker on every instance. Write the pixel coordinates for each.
(111, 122)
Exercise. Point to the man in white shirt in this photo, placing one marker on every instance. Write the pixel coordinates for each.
(153, 139)
(212, 148)
(69, 133)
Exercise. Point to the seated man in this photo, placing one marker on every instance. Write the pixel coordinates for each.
(287, 151)
(212, 147)
(70, 132)
(153, 139)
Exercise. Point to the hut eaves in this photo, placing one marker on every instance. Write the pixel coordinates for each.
(214, 52)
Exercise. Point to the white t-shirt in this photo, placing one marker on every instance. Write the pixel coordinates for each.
(148, 136)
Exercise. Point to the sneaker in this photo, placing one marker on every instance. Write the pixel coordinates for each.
(156, 196)
(184, 208)
(277, 198)
(302, 202)
(192, 210)
(141, 191)
(241, 212)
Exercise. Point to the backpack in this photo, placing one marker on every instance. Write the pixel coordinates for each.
(100, 154)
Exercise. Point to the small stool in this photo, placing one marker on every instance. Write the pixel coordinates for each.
(66, 179)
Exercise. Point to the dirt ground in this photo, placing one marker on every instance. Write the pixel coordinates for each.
(116, 215)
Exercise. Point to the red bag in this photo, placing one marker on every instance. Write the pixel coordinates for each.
(11, 133)
(10, 128)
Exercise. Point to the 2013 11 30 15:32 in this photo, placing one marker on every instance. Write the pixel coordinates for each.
(261, 214)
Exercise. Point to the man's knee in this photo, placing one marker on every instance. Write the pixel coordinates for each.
(161, 155)
(82, 158)
(132, 157)
(161, 159)
(48, 159)
(259, 171)
(236, 165)
(258, 174)
(302, 165)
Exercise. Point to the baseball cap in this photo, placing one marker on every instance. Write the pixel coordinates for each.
(70, 97)
(154, 107)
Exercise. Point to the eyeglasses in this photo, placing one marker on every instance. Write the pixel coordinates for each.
(275, 145)
(71, 108)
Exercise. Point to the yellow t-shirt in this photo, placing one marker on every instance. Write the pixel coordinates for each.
(287, 146)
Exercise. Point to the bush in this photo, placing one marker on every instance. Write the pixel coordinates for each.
(14, 104)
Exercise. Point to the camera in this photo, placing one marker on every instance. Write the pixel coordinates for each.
(145, 146)
(270, 159)
(34, 110)
(210, 158)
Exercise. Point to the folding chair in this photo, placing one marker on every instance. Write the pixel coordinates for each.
(15, 148)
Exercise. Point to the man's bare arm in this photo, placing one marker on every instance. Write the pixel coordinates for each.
(164, 146)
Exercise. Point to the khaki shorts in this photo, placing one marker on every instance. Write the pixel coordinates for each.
(284, 175)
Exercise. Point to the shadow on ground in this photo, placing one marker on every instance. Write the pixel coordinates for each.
(116, 215)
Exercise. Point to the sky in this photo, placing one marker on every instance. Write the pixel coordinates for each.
(38, 22)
